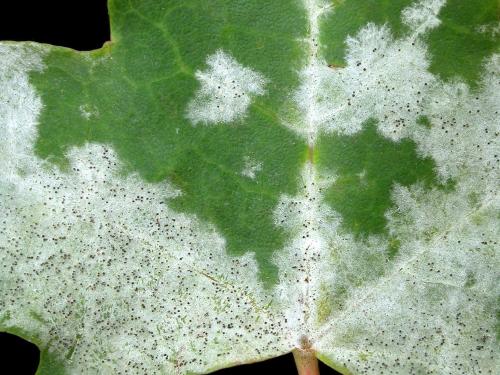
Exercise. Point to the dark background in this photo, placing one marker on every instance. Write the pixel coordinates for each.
(78, 24)
(81, 25)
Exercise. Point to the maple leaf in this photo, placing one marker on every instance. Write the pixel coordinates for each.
(229, 181)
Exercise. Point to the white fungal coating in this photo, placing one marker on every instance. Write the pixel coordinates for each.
(306, 99)
(88, 111)
(97, 265)
(251, 167)
(432, 308)
(383, 79)
(226, 91)
(463, 138)
(310, 224)
(491, 29)
(320, 260)
(422, 15)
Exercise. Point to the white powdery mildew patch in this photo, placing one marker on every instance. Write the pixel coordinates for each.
(463, 136)
(305, 98)
(320, 262)
(492, 29)
(432, 308)
(88, 111)
(99, 267)
(307, 221)
(17, 105)
(383, 78)
(251, 167)
(423, 15)
(226, 90)
(434, 312)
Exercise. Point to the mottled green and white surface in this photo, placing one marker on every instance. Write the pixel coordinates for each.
(227, 179)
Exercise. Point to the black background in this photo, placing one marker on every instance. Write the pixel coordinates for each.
(78, 24)
(81, 25)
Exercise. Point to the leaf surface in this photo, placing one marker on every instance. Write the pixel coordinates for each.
(227, 181)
